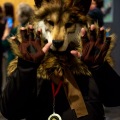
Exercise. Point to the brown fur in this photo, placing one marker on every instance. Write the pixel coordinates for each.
(60, 14)
(53, 64)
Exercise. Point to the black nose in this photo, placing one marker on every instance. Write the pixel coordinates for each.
(57, 43)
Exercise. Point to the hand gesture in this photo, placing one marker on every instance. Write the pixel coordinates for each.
(94, 46)
(30, 47)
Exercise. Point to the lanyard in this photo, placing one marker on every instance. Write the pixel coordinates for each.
(55, 92)
(55, 116)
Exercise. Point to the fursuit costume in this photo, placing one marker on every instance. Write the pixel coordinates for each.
(57, 85)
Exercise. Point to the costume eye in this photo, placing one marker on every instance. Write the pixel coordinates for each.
(67, 25)
(50, 22)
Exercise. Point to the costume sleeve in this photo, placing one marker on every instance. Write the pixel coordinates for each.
(20, 92)
(108, 82)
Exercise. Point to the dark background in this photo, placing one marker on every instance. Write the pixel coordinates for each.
(115, 28)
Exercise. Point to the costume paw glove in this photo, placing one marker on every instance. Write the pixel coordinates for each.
(30, 47)
(95, 47)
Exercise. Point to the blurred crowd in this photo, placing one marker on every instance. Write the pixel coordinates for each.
(23, 13)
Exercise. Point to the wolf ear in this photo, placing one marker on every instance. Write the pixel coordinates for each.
(82, 5)
(39, 2)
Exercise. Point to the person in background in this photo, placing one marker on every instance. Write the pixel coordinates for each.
(8, 9)
(95, 12)
(24, 13)
(2, 27)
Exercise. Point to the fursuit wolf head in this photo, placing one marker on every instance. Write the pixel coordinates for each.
(60, 20)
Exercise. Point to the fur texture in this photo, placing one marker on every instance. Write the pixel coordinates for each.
(60, 21)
